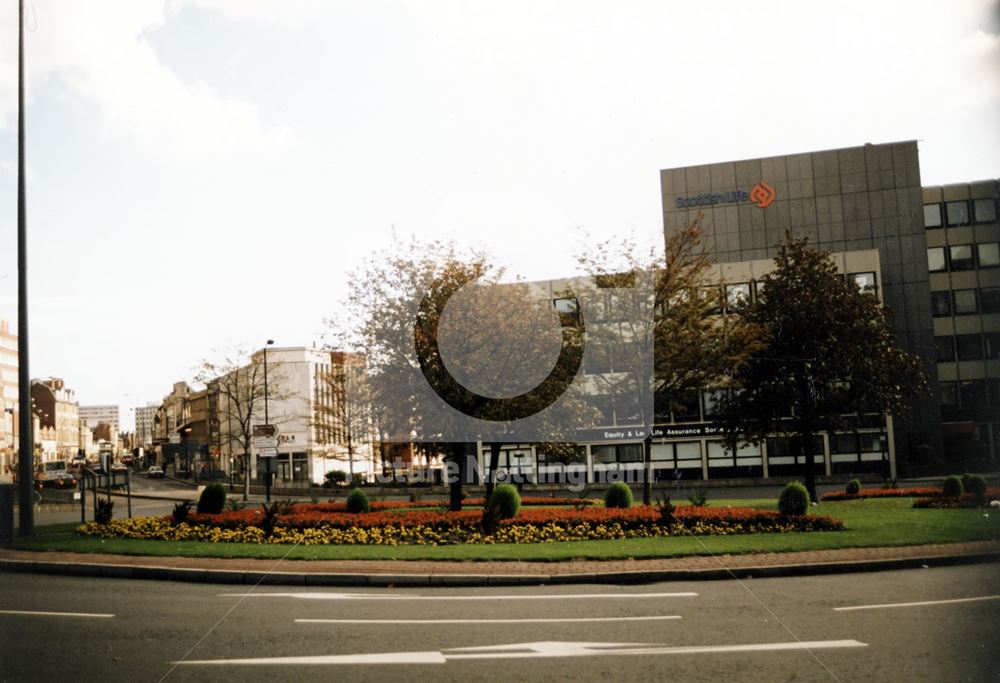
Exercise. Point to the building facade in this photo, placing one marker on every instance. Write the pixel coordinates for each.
(144, 416)
(963, 258)
(58, 416)
(8, 397)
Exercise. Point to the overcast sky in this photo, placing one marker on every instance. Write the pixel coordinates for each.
(203, 173)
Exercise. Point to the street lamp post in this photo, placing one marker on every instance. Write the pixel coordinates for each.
(267, 420)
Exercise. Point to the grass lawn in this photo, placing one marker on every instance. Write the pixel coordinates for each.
(874, 522)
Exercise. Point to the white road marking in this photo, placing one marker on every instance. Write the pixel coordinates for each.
(540, 650)
(485, 621)
(82, 615)
(377, 596)
(916, 604)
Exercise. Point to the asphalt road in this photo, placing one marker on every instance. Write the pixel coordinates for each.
(758, 629)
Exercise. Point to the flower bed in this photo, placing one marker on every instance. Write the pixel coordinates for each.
(468, 502)
(918, 492)
(966, 500)
(309, 526)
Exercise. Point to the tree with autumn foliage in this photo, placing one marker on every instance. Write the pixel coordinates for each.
(831, 356)
(677, 319)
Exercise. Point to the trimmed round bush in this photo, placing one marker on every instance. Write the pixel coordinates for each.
(976, 485)
(357, 501)
(853, 487)
(213, 499)
(505, 501)
(618, 495)
(794, 499)
(952, 486)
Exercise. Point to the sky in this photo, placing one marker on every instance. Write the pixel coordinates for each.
(204, 174)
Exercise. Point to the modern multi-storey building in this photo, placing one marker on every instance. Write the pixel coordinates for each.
(144, 416)
(963, 257)
(108, 414)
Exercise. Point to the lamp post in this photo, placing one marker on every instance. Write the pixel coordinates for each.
(26, 435)
(267, 420)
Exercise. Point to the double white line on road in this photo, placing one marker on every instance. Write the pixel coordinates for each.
(30, 613)
(567, 620)
(379, 596)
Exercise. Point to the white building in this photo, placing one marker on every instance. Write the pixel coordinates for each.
(301, 403)
(144, 423)
(109, 414)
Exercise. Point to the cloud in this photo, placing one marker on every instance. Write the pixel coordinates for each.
(106, 58)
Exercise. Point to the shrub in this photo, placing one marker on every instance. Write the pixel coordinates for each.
(505, 502)
(213, 499)
(334, 477)
(357, 501)
(698, 498)
(952, 486)
(976, 486)
(104, 512)
(853, 487)
(666, 510)
(794, 499)
(181, 512)
(618, 495)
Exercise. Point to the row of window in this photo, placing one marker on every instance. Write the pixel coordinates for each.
(969, 394)
(967, 347)
(963, 257)
(687, 454)
(965, 302)
(958, 213)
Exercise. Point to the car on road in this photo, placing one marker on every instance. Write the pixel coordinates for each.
(155, 472)
(119, 467)
(62, 480)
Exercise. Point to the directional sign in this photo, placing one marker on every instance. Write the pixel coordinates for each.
(175, 438)
(262, 443)
(267, 452)
(265, 430)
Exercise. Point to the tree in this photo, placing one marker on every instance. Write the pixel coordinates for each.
(831, 356)
(432, 301)
(676, 319)
(239, 380)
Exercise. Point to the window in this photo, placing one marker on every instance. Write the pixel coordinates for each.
(758, 288)
(984, 210)
(966, 301)
(718, 454)
(945, 347)
(711, 401)
(604, 455)
(948, 394)
(610, 454)
(989, 254)
(864, 280)
(932, 215)
(687, 409)
(712, 295)
(972, 394)
(957, 212)
(627, 410)
(993, 391)
(991, 340)
(941, 304)
(989, 299)
(843, 443)
(935, 259)
(737, 295)
(969, 346)
(567, 307)
(961, 257)
(660, 452)
(630, 452)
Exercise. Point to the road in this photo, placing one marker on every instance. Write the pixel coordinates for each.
(758, 629)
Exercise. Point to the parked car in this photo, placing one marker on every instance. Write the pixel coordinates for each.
(57, 481)
(119, 467)
(155, 472)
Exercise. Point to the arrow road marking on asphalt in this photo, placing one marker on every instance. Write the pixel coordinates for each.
(538, 650)
(377, 596)
(485, 621)
(916, 604)
(80, 615)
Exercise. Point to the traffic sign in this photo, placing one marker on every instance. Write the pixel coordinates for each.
(265, 430)
(175, 438)
(267, 452)
(265, 442)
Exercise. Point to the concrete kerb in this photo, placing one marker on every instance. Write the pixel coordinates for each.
(242, 577)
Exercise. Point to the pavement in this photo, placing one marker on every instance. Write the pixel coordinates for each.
(494, 573)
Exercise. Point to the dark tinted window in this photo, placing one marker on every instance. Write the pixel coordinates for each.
(957, 212)
(941, 304)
